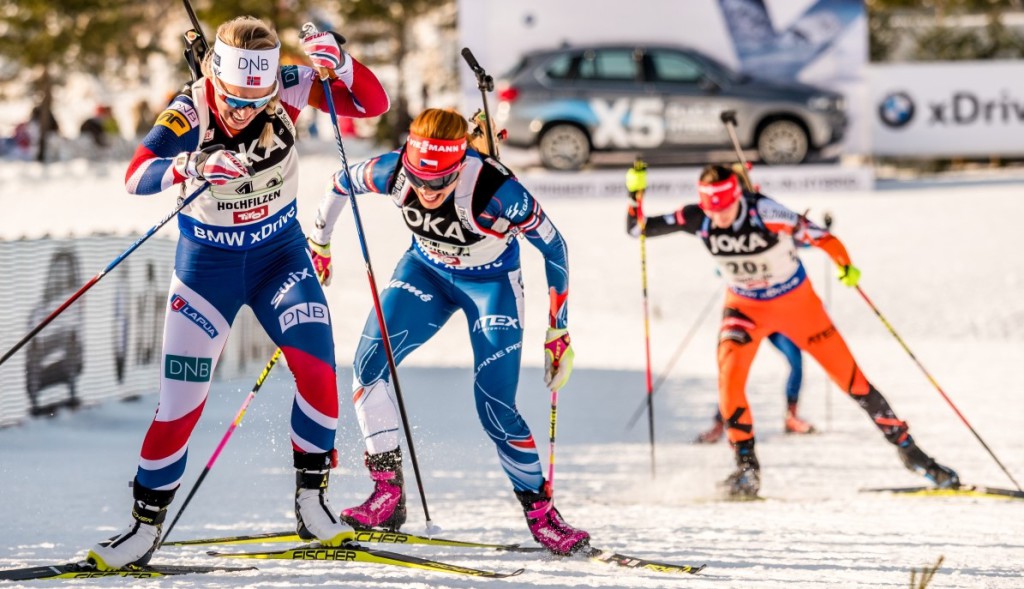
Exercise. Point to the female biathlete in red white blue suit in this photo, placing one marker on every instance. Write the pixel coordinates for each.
(465, 211)
(241, 244)
(751, 237)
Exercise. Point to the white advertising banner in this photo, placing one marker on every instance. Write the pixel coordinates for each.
(682, 182)
(818, 42)
(107, 344)
(964, 108)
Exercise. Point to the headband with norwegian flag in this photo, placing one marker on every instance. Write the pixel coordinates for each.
(431, 158)
(718, 196)
(247, 68)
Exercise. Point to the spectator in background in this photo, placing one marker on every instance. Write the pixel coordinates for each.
(143, 118)
(38, 130)
(101, 127)
(42, 117)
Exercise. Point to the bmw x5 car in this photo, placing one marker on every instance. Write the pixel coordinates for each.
(573, 101)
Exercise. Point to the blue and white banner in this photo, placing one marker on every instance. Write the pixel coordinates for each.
(963, 108)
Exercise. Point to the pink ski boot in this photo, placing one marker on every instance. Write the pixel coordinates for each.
(548, 527)
(385, 507)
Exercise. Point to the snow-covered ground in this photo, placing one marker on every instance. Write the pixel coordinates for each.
(940, 259)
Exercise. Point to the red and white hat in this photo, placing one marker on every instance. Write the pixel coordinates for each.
(431, 158)
(718, 196)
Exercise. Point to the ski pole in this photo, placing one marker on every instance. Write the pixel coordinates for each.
(551, 446)
(196, 46)
(486, 84)
(639, 165)
(92, 281)
(307, 30)
(676, 355)
(829, 389)
(935, 384)
(223, 441)
(728, 118)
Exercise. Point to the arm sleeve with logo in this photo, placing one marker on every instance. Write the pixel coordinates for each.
(371, 176)
(687, 218)
(151, 169)
(526, 216)
(779, 219)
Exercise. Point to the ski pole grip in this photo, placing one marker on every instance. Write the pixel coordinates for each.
(308, 30)
(473, 63)
(728, 117)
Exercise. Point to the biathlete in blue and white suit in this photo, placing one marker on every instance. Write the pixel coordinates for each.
(465, 211)
(241, 244)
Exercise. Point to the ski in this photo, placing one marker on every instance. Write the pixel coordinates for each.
(962, 490)
(631, 562)
(593, 554)
(356, 553)
(84, 570)
(368, 536)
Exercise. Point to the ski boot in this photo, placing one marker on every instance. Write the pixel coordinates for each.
(712, 435)
(135, 546)
(795, 425)
(917, 461)
(385, 507)
(745, 481)
(315, 520)
(548, 527)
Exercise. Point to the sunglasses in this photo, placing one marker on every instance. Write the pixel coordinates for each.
(238, 103)
(434, 184)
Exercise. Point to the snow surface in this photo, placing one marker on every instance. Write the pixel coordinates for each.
(940, 259)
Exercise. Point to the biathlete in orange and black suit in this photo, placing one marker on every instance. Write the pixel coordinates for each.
(751, 237)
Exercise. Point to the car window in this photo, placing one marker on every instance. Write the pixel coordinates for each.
(559, 67)
(679, 68)
(516, 69)
(608, 65)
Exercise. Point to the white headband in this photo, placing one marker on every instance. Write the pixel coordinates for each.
(248, 68)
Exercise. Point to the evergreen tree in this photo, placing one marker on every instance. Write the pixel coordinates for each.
(93, 36)
(943, 40)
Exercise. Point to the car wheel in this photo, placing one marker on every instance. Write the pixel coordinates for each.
(564, 147)
(783, 142)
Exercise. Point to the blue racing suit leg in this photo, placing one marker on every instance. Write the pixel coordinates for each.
(415, 304)
(494, 312)
(796, 365)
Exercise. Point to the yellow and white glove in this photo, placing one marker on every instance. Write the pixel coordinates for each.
(558, 357)
(849, 275)
(321, 260)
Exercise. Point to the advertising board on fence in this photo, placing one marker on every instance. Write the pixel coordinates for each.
(951, 109)
(683, 181)
(106, 345)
